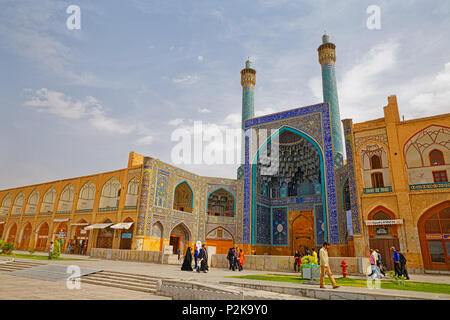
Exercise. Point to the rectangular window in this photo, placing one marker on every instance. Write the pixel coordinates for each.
(377, 180)
(440, 176)
(436, 251)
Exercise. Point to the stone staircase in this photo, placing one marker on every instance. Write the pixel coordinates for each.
(18, 265)
(122, 280)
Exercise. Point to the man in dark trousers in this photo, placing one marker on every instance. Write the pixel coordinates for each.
(403, 270)
(396, 258)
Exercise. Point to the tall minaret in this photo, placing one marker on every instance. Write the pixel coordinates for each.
(327, 59)
(248, 81)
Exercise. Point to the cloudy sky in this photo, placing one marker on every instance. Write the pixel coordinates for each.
(76, 102)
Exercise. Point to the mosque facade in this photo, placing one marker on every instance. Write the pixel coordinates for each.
(293, 191)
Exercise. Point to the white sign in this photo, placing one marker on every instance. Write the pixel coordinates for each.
(61, 220)
(383, 222)
(198, 244)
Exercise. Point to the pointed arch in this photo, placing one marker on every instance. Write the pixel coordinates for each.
(220, 238)
(65, 202)
(48, 201)
(323, 174)
(25, 236)
(105, 236)
(433, 227)
(132, 193)
(6, 205)
(221, 202)
(42, 236)
(183, 197)
(11, 233)
(126, 235)
(86, 198)
(18, 204)
(226, 231)
(110, 194)
(32, 203)
(180, 236)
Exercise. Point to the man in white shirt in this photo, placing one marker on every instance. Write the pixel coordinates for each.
(325, 267)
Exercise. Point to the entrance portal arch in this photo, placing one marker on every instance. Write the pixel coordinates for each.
(300, 173)
(179, 238)
(434, 230)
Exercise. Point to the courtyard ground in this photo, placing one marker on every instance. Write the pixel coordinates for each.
(22, 288)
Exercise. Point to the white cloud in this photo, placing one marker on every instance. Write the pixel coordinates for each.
(233, 119)
(176, 122)
(426, 95)
(362, 87)
(204, 110)
(57, 103)
(188, 79)
(200, 58)
(145, 140)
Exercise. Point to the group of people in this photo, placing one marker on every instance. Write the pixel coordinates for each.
(378, 267)
(236, 258)
(77, 247)
(399, 264)
(306, 252)
(200, 259)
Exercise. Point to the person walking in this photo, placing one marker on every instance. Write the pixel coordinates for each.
(241, 260)
(380, 263)
(297, 262)
(187, 263)
(50, 250)
(236, 259)
(396, 259)
(373, 265)
(197, 259)
(230, 257)
(325, 267)
(402, 260)
(204, 259)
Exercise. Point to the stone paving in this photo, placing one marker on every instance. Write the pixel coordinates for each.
(18, 288)
(214, 276)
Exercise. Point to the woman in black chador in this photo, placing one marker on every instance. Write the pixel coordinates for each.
(187, 263)
(204, 259)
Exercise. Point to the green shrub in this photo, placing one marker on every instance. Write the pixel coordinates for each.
(56, 250)
(7, 247)
(31, 251)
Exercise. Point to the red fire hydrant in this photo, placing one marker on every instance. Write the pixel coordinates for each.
(344, 267)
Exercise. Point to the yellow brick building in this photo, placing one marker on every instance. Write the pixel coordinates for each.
(146, 206)
(401, 171)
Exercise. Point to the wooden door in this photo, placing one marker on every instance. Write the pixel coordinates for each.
(302, 232)
(175, 242)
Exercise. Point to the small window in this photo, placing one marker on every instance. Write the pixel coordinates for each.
(436, 158)
(375, 162)
(440, 176)
(377, 180)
